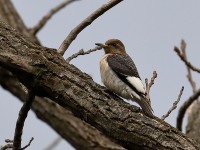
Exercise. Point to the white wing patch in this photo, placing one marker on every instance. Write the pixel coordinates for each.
(137, 83)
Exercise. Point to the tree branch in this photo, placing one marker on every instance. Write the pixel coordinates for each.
(54, 143)
(57, 118)
(74, 90)
(89, 137)
(21, 119)
(29, 143)
(48, 16)
(9, 14)
(174, 105)
(82, 52)
(182, 56)
(73, 34)
(148, 85)
(184, 107)
(189, 76)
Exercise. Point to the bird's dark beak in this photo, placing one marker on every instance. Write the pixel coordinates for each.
(101, 45)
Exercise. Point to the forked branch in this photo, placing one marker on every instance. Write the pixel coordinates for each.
(181, 53)
(148, 85)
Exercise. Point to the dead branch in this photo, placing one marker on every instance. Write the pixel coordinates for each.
(48, 16)
(82, 52)
(54, 143)
(29, 143)
(189, 75)
(7, 146)
(182, 54)
(73, 34)
(21, 119)
(184, 107)
(174, 106)
(148, 85)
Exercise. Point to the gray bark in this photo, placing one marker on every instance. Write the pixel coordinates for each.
(45, 71)
(99, 109)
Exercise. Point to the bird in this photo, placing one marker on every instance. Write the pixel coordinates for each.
(120, 75)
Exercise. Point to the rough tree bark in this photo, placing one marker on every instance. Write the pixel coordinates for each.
(75, 91)
(89, 137)
(69, 87)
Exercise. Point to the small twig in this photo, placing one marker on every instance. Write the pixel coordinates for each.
(189, 75)
(148, 86)
(29, 143)
(8, 141)
(73, 34)
(174, 105)
(184, 107)
(184, 59)
(54, 143)
(82, 52)
(46, 18)
(11, 145)
(21, 119)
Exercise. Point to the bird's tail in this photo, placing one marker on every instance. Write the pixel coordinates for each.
(145, 105)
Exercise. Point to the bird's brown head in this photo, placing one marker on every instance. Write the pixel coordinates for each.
(113, 46)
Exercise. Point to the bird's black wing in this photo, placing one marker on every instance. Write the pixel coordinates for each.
(124, 67)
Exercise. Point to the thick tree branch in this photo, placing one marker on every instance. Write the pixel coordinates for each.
(74, 90)
(192, 128)
(73, 34)
(57, 117)
(9, 14)
(54, 115)
(48, 16)
(184, 107)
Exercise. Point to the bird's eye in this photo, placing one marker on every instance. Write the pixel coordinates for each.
(114, 44)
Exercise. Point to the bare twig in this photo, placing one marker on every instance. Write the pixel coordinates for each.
(189, 75)
(183, 57)
(73, 34)
(21, 119)
(174, 105)
(29, 143)
(54, 143)
(8, 141)
(148, 86)
(82, 52)
(184, 107)
(46, 18)
(11, 145)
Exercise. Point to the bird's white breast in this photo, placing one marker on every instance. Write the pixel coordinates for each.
(113, 82)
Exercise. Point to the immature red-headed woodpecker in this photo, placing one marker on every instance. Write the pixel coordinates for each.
(119, 74)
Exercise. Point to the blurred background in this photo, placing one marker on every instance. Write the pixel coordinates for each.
(149, 30)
